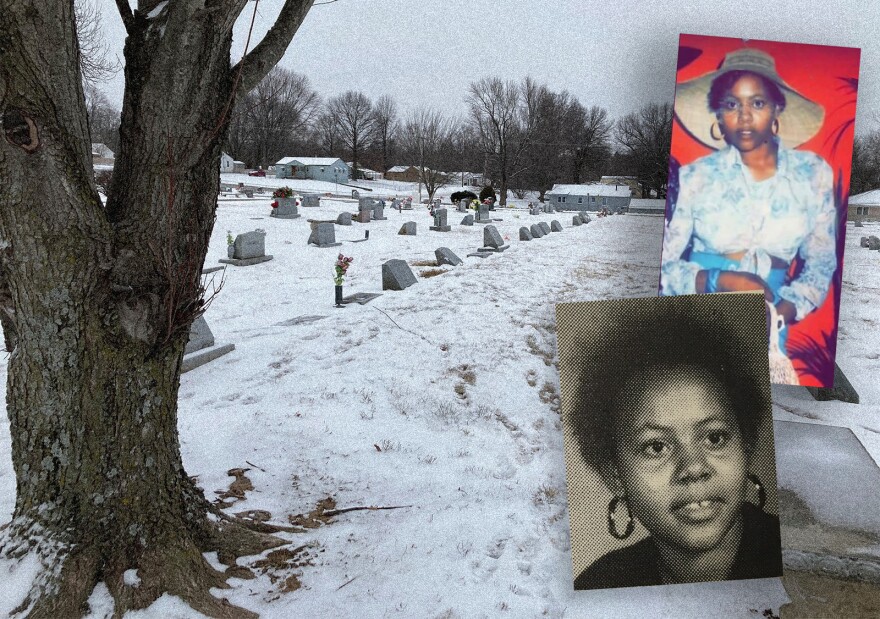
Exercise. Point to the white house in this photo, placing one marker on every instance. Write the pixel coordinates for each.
(647, 206)
(366, 173)
(102, 154)
(592, 197)
(465, 179)
(864, 206)
(227, 163)
(328, 169)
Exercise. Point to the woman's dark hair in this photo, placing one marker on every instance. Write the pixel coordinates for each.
(722, 84)
(648, 341)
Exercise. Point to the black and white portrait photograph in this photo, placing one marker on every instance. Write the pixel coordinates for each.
(668, 440)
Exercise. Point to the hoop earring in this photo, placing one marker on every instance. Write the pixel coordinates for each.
(774, 126)
(717, 138)
(762, 493)
(612, 523)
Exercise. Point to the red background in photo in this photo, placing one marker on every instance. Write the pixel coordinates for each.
(828, 76)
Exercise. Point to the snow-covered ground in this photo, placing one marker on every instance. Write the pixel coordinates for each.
(440, 401)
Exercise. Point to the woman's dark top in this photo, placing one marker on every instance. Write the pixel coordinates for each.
(759, 556)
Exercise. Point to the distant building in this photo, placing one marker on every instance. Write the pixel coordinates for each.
(238, 166)
(101, 154)
(864, 206)
(366, 173)
(227, 163)
(330, 169)
(593, 197)
(647, 206)
(406, 173)
(630, 181)
(466, 179)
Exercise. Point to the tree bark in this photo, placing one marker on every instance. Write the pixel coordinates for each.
(98, 303)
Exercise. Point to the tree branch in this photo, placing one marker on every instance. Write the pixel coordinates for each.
(125, 13)
(255, 65)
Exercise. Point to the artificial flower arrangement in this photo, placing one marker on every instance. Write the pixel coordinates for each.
(283, 192)
(341, 266)
(229, 239)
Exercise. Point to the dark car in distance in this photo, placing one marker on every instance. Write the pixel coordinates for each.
(458, 196)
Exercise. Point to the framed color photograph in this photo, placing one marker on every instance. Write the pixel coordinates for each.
(758, 187)
(668, 440)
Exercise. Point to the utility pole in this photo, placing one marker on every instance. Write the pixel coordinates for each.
(421, 164)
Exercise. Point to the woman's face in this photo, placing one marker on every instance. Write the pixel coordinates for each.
(747, 114)
(681, 461)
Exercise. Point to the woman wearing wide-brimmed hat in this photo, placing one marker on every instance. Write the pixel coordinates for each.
(746, 213)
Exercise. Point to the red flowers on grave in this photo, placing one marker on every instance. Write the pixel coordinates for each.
(341, 266)
(274, 203)
(283, 192)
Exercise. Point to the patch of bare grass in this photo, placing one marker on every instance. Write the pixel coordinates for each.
(431, 272)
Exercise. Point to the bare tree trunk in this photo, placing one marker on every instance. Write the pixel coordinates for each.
(102, 302)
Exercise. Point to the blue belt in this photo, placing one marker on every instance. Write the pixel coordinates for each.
(775, 280)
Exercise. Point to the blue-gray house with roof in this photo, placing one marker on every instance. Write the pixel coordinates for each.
(593, 197)
(330, 169)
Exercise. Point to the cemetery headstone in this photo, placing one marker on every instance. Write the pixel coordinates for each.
(536, 231)
(201, 347)
(344, 219)
(858, 223)
(408, 229)
(311, 199)
(364, 217)
(576, 221)
(492, 240)
(366, 203)
(535, 210)
(248, 248)
(323, 235)
(361, 298)
(585, 218)
(379, 210)
(483, 214)
(491, 237)
(286, 209)
(445, 256)
(544, 227)
(396, 275)
(355, 194)
(462, 206)
(200, 336)
(555, 226)
(440, 223)
(395, 204)
(525, 234)
(841, 389)
(873, 242)
(468, 220)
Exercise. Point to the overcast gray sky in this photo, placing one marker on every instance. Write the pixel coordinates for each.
(619, 55)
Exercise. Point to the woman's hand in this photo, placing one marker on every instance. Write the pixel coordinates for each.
(787, 310)
(735, 281)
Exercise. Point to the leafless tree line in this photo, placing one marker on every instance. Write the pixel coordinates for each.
(521, 136)
(865, 163)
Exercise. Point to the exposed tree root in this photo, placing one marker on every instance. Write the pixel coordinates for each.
(325, 510)
(172, 565)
